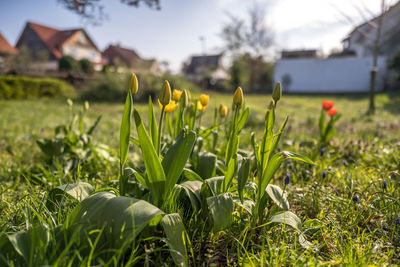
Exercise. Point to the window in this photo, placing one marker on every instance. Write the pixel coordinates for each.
(93, 55)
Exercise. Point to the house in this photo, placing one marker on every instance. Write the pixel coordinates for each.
(361, 39)
(55, 43)
(120, 57)
(205, 70)
(347, 71)
(6, 50)
(328, 75)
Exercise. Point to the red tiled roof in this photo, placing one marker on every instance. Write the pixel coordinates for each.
(5, 46)
(116, 52)
(54, 38)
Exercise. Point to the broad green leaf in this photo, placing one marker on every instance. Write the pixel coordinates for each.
(246, 204)
(78, 191)
(303, 241)
(296, 156)
(134, 140)
(266, 144)
(192, 190)
(154, 169)
(153, 131)
(124, 135)
(232, 148)
(276, 194)
(274, 163)
(243, 176)
(129, 172)
(123, 217)
(221, 209)
(94, 125)
(322, 123)
(176, 157)
(232, 169)
(287, 217)
(213, 186)
(329, 130)
(242, 120)
(176, 237)
(269, 172)
(206, 164)
(205, 133)
(190, 175)
(125, 131)
(277, 137)
(26, 243)
(104, 152)
(291, 219)
(178, 119)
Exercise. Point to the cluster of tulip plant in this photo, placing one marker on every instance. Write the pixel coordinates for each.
(327, 130)
(186, 165)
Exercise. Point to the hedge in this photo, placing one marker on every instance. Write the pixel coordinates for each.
(18, 87)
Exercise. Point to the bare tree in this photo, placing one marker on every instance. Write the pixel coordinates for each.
(251, 36)
(374, 70)
(92, 11)
(376, 40)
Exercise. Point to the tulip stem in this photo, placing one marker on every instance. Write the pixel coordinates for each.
(201, 115)
(234, 121)
(160, 130)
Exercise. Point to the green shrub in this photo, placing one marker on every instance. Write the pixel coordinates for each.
(67, 63)
(110, 87)
(5, 90)
(18, 87)
(179, 82)
(85, 65)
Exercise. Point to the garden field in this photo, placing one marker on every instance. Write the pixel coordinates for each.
(69, 197)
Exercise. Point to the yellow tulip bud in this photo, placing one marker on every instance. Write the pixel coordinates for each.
(204, 99)
(86, 106)
(277, 93)
(165, 97)
(176, 95)
(133, 84)
(69, 102)
(238, 97)
(223, 110)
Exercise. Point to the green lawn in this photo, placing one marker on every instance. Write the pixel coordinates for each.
(364, 152)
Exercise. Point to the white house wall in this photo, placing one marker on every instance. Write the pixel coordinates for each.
(333, 75)
(79, 52)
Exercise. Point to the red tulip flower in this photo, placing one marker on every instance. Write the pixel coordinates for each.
(332, 112)
(327, 105)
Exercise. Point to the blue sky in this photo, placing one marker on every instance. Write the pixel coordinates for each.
(173, 33)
